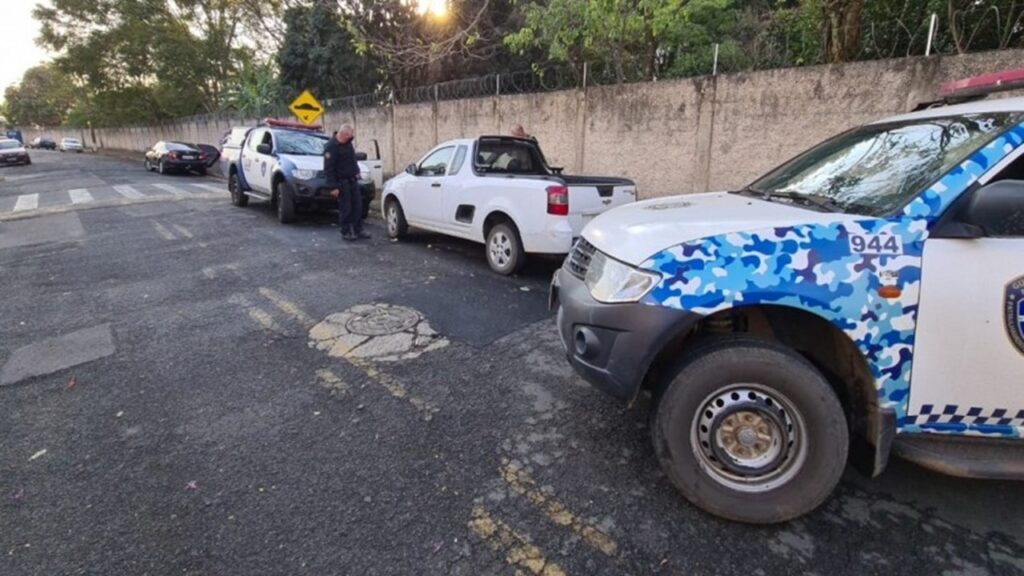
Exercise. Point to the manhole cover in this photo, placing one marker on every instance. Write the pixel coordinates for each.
(379, 332)
(382, 321)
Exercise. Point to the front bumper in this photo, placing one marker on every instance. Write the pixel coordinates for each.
(317, 192)
(13, 158)
(612, 346)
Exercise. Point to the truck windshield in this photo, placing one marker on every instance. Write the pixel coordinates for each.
(876, 169)
(301, 143)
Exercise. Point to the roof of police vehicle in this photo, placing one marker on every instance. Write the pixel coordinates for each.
(974, 107)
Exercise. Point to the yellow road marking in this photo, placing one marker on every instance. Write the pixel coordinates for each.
(183, 231)
(519, 553)
(263, 319)
(394, 387)
(522, 484)
(331, 381)
(167, 235)
(287, 306)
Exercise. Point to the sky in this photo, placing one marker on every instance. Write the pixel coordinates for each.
(18, 32)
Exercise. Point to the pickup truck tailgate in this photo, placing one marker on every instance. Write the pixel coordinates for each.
(589, 197)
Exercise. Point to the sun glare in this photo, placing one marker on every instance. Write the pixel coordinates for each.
(437, 8)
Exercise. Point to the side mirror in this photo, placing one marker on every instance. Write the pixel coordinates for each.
(411, 169)
(264, 149)
(360, 155)
(997, 209)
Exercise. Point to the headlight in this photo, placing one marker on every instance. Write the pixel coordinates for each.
(611, 281)
(303, 174)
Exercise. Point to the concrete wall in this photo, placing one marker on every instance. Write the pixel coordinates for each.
(670, 137)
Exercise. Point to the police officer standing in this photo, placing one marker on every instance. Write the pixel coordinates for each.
(342, 173)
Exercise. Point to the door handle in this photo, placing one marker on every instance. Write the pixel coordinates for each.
(435, 185)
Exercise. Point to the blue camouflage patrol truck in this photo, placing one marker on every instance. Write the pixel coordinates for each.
(864, 299)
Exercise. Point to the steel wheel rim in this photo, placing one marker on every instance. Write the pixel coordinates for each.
(392, 219)
(500, 249)
(749, 438)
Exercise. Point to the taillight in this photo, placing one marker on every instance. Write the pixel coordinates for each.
(172, 155)
(558, 200)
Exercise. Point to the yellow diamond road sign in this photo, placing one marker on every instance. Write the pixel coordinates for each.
(306, 108)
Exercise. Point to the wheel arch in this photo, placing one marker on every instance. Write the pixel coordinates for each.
(822, 343)
(494, 217)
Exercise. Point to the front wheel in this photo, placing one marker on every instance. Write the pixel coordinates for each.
(238, 198)
(397, 226)
(285, 203)
(504, 249)
(161, 168)
(750, 431)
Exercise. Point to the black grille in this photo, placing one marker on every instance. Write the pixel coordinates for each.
(579, 259)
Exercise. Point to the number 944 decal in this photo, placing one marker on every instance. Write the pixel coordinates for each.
(875, 244)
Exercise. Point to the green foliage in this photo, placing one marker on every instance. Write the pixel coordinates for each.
(319, 54)
(255, 92)
(43, 98)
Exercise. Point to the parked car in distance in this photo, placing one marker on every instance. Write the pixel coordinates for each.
(71, 145)
(43, 143)
(166, 157)
(500, 191)
(13, 152)
(282, 161)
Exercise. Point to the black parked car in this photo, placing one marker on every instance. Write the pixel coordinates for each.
(167, 157)
(43, 143)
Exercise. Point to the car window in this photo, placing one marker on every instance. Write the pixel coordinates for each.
(508, 157)
(180, 146)
(257, 139)
(876, 169)
(460, 158)
(301, 143)
(436, 163)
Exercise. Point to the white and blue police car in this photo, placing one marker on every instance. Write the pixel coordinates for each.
(864, 299)
(282, 162)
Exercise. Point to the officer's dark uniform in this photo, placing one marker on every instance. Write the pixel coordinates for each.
(342, 172)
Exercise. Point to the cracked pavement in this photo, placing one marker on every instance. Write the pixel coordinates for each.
(181, 413)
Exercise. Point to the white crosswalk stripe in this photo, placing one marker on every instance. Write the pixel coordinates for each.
(211, 187)
(127, 191)
(26, 202)
(172, 189)
(80, 196)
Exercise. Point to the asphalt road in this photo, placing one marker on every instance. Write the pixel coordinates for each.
(187, 387)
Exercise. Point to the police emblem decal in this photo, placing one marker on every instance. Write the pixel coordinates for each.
(263, 169)
(1014, 312)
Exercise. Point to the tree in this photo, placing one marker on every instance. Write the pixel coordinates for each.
(44, 97)
(170, 56)
(842, 31)
(319, 53)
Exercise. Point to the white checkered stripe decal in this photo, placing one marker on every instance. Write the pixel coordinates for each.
(951, 414)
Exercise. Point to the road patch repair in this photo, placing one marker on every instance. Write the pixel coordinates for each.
(57, 353)
(379, 332)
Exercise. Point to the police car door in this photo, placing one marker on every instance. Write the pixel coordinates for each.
(968, 357)
(256, 164)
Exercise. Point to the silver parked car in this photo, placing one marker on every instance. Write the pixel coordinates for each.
(71, 145)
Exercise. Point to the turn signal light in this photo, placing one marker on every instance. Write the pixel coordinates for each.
(889, 291)
(558, 200)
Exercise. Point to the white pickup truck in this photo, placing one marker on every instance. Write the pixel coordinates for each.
(499, 190)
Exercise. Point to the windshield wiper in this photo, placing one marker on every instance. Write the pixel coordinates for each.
(823, 203)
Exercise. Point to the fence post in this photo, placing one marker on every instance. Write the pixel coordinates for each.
(714, 67)
(497, 84)
(931, 34)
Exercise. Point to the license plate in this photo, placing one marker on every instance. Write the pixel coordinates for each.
(188, 157)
